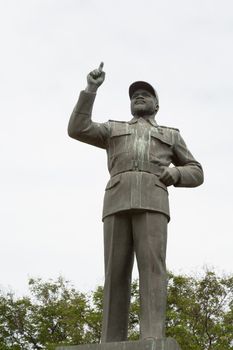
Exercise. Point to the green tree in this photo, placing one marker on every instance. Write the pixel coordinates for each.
(199, 311)
(199, 314)
(53, 314)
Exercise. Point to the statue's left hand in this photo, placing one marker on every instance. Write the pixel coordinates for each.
(170, 176)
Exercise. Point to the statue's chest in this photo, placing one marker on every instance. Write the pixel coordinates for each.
(140, 139)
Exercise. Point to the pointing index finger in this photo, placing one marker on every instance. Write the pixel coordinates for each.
(100, 69)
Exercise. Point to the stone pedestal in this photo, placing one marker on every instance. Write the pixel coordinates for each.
(149, 344)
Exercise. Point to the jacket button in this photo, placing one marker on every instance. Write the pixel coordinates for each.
(135, 165)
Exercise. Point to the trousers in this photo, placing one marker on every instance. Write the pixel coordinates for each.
(126, 234)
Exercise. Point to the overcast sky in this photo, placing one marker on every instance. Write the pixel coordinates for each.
(51, 186)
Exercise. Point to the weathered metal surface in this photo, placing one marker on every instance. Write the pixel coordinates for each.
(136, 208)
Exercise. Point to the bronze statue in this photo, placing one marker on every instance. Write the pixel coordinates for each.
(136, 208)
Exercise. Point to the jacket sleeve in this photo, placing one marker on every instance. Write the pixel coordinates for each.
(191, 173)
(82, 128)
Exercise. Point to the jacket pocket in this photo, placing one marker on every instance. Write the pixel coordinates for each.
(113, 182)
(157, 136)
(120, 141)
(119, 132)
(160, 184)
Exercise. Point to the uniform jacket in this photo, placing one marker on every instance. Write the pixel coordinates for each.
(137, 152)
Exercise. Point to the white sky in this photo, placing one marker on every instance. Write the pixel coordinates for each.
(51, 186)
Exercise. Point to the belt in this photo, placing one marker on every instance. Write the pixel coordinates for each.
(136, 165)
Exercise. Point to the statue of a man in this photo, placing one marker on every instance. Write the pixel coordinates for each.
(136, 209)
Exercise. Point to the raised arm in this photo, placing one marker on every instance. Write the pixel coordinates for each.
(81, 127)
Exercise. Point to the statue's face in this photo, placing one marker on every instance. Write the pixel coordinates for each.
(143, 103)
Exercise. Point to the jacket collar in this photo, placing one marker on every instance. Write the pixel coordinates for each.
(150, 120)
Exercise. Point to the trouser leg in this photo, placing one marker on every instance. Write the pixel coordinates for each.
(118, 252)
(150, 240)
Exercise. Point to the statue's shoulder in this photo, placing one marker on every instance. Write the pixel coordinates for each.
(167, 128)
(117, 121)
(169, 133)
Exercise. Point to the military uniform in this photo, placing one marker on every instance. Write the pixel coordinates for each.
(135, 211)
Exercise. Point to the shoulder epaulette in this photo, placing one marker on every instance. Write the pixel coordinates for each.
(117, 121)
(168, 127)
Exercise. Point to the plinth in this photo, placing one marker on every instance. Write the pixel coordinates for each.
(148, 344)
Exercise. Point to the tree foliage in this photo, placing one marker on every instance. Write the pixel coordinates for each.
(199, 314)
(200, 311)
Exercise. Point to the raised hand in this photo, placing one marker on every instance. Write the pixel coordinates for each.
(95, 78)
